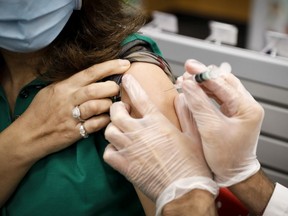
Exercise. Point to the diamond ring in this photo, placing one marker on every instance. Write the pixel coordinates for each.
(77, 114)
(82, 131)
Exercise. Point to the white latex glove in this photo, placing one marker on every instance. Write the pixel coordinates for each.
(152, 153)
(229, 134)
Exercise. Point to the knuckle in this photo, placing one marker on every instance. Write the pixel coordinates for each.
(105, 105)
(135, 170)
(258, 111)
(90, 91)
(84, 110)
(99, 70)
(96, 107)
(57, 87)
(101, 122)
(89, 72)
(92, 73)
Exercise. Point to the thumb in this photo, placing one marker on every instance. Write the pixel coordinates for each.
(137, 95)
(193, 66)
(199, 103)
(183, 113)
(187, 122)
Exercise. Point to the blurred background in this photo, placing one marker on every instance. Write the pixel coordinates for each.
(253, 18)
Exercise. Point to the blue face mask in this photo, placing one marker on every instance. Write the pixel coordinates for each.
(30, 25)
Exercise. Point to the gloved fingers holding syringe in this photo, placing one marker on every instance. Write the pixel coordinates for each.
(199, 72)
(232, 129)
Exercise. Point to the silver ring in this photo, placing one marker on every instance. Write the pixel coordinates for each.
(77, 114)
(82, 131)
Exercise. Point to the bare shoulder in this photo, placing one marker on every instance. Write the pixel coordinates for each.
(157, 86)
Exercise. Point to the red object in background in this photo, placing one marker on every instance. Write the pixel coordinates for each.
(229, 205)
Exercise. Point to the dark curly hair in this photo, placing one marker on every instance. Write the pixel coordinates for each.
(92, 35)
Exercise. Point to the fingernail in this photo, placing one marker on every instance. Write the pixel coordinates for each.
(127, 81)
(124, 62)
(126, 78)
(196, 65)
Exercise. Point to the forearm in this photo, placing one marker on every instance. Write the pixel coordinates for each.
(255, 192)
(15, 160)
(148, 205)
(196, 202)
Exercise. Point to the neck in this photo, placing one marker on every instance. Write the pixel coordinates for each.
(17, 71)
(20, 68)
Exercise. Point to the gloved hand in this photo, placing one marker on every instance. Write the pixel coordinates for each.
(152, 153)
(230, 131)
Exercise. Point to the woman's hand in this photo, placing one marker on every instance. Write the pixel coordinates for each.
(48, 124)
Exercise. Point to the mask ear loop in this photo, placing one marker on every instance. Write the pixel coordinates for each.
(78, 4)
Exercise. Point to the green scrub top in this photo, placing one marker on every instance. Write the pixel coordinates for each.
(75, 181)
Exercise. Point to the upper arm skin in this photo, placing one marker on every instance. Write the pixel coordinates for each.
(158, 87)
(155, 83)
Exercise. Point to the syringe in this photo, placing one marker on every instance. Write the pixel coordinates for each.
(213, 72)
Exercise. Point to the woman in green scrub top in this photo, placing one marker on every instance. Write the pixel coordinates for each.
(56, 87)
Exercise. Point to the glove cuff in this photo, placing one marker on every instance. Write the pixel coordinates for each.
(182, 186)
(228, 181)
